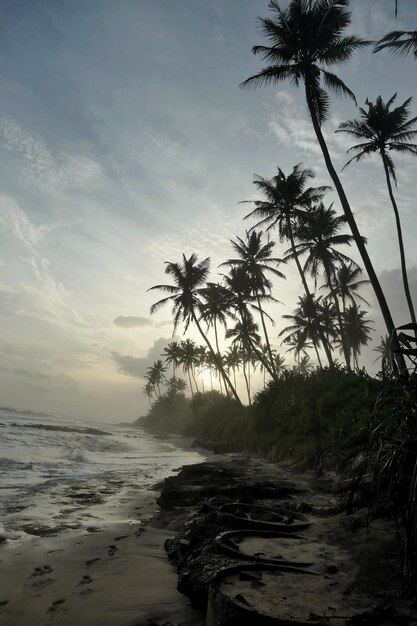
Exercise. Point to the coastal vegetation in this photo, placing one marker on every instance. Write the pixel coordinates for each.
(324, 407)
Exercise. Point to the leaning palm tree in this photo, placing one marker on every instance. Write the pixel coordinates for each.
(188, 360)
(255, 257)
(304, 41)
(385, 130)
(319, 236)
(189, 277)
(399, 42)
(156, 376)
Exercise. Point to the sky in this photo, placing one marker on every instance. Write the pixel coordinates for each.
(125, 141)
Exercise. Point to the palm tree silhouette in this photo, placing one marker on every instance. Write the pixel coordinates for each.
(284, 196)
(346, 283)
(236, 281)
(172, 354)
(357, 330)
(399, 42)
(188, 360)
(156, 375)
(384, 349)
(307, 324)
(189, 277)
(254, 257)
(304, 41)
(318, 233)
(383, 129)
(245, 335)
(298, 343)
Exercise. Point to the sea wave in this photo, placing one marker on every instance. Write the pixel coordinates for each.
(64, 429)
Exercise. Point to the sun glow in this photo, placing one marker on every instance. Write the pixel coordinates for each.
(205, 376)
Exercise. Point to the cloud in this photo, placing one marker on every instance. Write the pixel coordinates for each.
(137, 366)
(130, 321)
(49, 170)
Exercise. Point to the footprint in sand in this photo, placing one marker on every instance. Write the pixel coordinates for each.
(87, 592)
(4, 602)
(55, 605)
(85, 580)
(41, 571)
(44, 582)
(112, 549)
(91, 562)
(121, 537)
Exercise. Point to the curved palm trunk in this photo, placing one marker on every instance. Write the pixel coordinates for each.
(400, 243)
(318, 356)
(194, 379)
(354, 229)
(346, 350)
(213, 354)
(189, 378)
(268, 345)
(323, 338)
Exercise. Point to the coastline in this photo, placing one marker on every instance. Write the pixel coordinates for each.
(107, 567)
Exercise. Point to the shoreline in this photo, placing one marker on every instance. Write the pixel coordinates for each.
(103, 564)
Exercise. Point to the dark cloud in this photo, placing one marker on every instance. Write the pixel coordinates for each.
(128, 321)
(137, 366)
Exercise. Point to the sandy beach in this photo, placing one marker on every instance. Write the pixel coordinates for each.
(115, 575)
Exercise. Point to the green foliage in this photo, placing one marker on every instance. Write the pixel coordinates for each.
(326, 411)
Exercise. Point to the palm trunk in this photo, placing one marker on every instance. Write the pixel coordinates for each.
(194, 379)
(189, 378)
(307, 292)
(219, 355)
(246, 381)
(354, 228)
(346, 350)
(213, 354)
(268, 345)
(400, 243)
(318, 356)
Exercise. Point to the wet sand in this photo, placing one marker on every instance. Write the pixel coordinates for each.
(116, 574)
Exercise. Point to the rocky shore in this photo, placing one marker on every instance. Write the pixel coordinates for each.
(259, 544)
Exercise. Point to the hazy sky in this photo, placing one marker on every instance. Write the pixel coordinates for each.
(125, 141)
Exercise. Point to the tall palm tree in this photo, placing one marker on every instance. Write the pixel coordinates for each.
(346, 283)
(233, 359)
(319, 235)
(298, 343)
(189, 277)
(172, 354)
(385, 130)
(156, 376)
(400, 42)
(188, 360)
(305, 366)
(242, 298)
(284, 197)
(245, 335)
(304, 41)
(307, 319)
(357, 330)
(255, 257)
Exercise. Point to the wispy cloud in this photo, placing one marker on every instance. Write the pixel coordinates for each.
(47, 169)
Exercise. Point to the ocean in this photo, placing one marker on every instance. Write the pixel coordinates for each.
(60, 473)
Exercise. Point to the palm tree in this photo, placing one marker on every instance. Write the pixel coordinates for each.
(156, 376)
(233, 360)
(384, 348)
(305, 366)
(298, 343)
(382, 129)
(189, 277)
(284, 197)
(245, 335)
(399, 41)
(346, 283)
(254, 257)
(188, 360)
(307, 324)
(305, 40)
(236, 281)
(280, 365)
(172, 353)
(357, 331)
(148, 390)
(319, 235)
